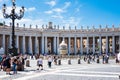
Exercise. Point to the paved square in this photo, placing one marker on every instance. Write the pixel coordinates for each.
(74, 71)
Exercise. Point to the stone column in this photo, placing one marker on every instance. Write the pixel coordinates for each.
(81, 46)
(113, 44)
(100, 44)
(3, 41)
(23, 45)
(87, 45)
(55, 45)
(10, 41)
(43, 45)
(69, 46)
(46, 49)
(106, 44)
(93, 44)
(30, 45)
(75, 45)
(36, 44)
(17, 42)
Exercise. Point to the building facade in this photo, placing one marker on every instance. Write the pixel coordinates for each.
(47, 39)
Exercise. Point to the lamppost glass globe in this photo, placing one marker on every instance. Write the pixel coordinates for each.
(23, 8)
(4, 8)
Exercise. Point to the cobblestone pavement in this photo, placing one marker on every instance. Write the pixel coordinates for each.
(74, 71)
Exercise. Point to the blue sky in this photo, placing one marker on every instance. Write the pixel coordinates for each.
(67, 12)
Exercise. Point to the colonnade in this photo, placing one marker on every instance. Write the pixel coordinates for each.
(81, 44)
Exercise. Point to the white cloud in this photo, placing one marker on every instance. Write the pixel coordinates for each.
(48, 12)
(58, 10)
(1, 14)
(77, 9)
(55, 10)
(67, 4)
(30, 9)
(3, 0)
(57, 16)
(72, 21)
(51, 3)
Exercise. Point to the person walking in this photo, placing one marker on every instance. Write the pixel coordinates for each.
(103, 58)
(8, 65)
(55, 60)
(15, 66)
(40, 64)
(49, 61)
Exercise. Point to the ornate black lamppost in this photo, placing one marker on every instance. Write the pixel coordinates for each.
(13, 16)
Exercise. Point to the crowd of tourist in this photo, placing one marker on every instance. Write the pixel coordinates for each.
(8, 63)
(17, 63)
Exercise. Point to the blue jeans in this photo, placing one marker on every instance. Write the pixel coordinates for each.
(14, 69)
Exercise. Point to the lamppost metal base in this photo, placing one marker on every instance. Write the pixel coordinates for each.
(13, 51)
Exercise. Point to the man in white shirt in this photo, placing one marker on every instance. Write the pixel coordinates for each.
(49, 61)
(40, 64)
